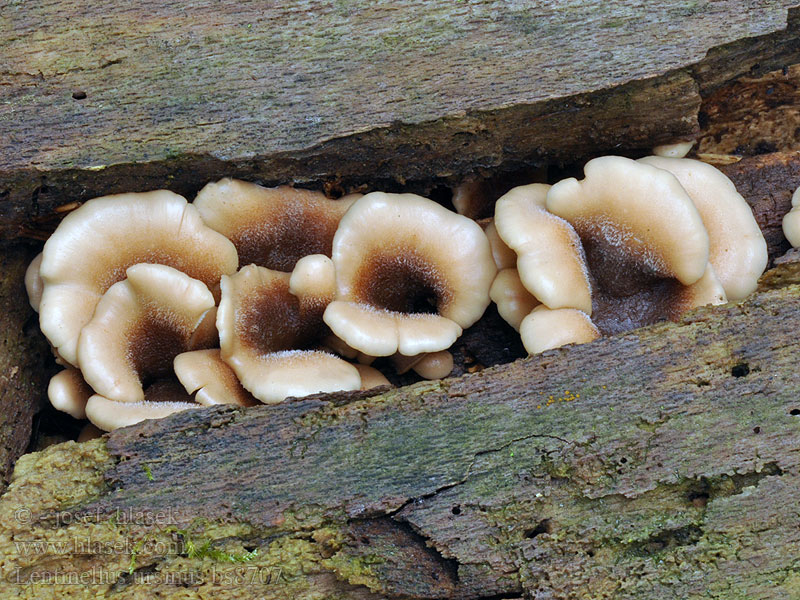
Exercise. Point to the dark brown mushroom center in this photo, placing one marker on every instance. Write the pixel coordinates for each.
(153, 343)
(272, 320)
(628, 290)
(279, 244)
(402, 281)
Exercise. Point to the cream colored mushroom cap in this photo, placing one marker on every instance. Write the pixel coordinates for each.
(371, 377)
(204, 374)
(436, 365)
(264, 330)
(109, 415)
(95, 244)
(791, 221)
(504, 257)
(674, 150)
(547, 328)
(68, 392)
(392, 251)
(271, 227)
(737, 249)
(118, 342)
(514, 302)
(453, 250)
(314, 276)
(639, 208)
(550, 258)
(34, 283)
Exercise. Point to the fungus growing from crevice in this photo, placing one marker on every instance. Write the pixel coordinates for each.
(626, 246)
(268, 334)
(271, 227)
(737, 249)
(410, 275)
(139, 326)
(94, 245)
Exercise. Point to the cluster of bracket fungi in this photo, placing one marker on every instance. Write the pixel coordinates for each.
(251, 294)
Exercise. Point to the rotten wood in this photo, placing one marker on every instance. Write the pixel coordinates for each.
(24, 365)
(659, 463)
(98, 99)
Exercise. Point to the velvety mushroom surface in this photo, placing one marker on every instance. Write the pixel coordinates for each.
(94, 245)
(410, 275)
(139, 326)
(271, 227)
(267, 334)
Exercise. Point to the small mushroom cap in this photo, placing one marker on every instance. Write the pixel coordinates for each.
(737, 249)
(371, 377)
(204, 374)
(139, 326)
(34, 283)
(265, 332)
(95, 244)
(271, 227)
(68, 392)
(674, 150)
(436, 365)
(791, 221)
(550, 261)
(109, 415)
(397, 258)
(314, 276)
(624, 206)
(545, 328)
(514, 302)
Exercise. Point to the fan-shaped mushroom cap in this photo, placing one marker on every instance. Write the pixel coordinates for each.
(271, 227)
(68, 392)
(514, 302)
(674, 150)
(550, 257)
(626, 211)
(161, 399)
(791, 221)
(264, 331)
(139, 326)
(545, 328)
(204, 374)
(737, 249)
(398, 257)
(34, 283)
(95, 244)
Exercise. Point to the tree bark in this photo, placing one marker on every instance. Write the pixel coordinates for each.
(97, 100)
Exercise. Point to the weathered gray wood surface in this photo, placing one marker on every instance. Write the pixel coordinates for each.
(658, 464)
(349, 93)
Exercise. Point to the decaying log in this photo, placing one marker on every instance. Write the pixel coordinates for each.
(23, 360)
(97, 99)
(660, 463)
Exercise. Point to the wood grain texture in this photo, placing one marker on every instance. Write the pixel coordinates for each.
(660, 463)
(24, 360)
(349, 92)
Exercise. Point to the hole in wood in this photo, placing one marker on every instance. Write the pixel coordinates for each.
(740, 370)
(456, 510)
(79, 95)
(544, 526)
(794, 412)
